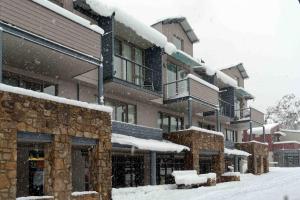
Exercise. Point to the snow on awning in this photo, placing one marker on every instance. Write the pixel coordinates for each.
(148, 144)
(287, 142)
(236, 152)
(241, 92)
(259, 130)
(203, 130)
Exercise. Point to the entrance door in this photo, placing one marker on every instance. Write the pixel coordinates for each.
(205, 164)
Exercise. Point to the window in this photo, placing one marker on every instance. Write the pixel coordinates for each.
(206, 126)
(123, 112)
(165, 165)
(128, 62)
(127, 171)
(174, 75)
(178, 42)
(30, 84)
(169, 123)
(30, 169)
(81, 168)
(230, 135)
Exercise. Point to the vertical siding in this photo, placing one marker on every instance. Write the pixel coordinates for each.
(46, 23)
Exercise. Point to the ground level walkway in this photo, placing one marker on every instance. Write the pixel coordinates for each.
(276, 185)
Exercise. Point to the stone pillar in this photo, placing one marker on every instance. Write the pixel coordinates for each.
(8, 158)
(102, 169)
(60, 160)
(218, 165)
(1, 55)
(153, 168)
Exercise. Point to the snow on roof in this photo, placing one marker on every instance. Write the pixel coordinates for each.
(236, 152)
(290, 131)
(69, 15)
(240, 67)
(220, 75)
(35, 197)
(226, 79)
(39, 95)
(194, 128)
(76, 194)
(280, 133)
(287, 142)
(107, 8)
(254, 141)
(191, 76)
(259, 130)
(148, 144)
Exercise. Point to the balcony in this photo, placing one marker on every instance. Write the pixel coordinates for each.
(246, 115)
(132, 80)
(191, 87)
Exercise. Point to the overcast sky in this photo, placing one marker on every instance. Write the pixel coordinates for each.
(263, 34)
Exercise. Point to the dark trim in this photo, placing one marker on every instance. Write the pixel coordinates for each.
(153, 168)
(80, 141)
(100, 85)
(190, 113)
(28, 137)
(134, 86)
(18, 32)
(1, 55)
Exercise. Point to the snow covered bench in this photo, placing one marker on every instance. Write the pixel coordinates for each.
(188, 179)
(230, 176)
(211, 178)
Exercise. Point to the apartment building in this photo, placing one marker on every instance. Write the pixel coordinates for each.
(170, 111)
(51, 146)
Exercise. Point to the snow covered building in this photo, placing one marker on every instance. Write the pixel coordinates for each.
(51, 143)
(170, 111)
(287, 149)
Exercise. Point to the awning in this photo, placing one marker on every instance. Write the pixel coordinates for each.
(241, 92)
(185, 58)
(148, 144)
(236, 152)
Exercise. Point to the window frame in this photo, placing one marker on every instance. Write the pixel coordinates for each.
(179, 121)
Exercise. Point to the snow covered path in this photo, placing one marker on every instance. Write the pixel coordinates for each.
(277, 184)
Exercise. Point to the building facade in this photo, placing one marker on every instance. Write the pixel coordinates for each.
(91, 52)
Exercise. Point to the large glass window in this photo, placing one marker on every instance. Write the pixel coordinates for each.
(127, 171)
(165, 165)
(169, 123)
(174, 85)
(81, 168)
(123, 112)
(29, 83)
(30, 170)
(230, 135)
(128, 62)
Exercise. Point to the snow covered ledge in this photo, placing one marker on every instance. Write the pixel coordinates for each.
(39, 95)
(35, 198)
(90, 195)
(203, 130)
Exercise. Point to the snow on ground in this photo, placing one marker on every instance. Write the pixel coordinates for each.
(275, 185)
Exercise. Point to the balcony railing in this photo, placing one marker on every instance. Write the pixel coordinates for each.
(226, 109)
(249, 114)
(189, 87)
(135, 73)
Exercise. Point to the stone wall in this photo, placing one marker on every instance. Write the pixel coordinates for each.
(200, 143)
(258, 162)
(20, 113)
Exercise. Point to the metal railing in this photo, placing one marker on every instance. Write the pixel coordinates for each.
(133, 72)
(226, 109)
(176, 89)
